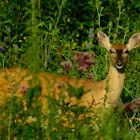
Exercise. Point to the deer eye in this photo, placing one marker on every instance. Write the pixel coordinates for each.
(111, 51)
(126, 51)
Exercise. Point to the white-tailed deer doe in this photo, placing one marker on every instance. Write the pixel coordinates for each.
(100, 94)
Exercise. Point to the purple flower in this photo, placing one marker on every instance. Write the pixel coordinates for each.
(49, 59)
(1, 48)
(84, 61)
(5, 39)
(91, 34)
(90, 44)
(16, 46)
(66, 65)
(9, 30)
(90, 76)
(24, 89)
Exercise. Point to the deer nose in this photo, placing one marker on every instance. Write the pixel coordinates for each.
(119, 62)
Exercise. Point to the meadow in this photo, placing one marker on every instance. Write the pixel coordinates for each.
(45, 36)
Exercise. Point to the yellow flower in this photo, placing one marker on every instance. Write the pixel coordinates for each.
(25, 108)
(83, 45)
(101, 138)
(64, 118)
(15, 138)
(75, 44)
(68, 45)
(87, 115)
(24, 103)
(57, 121)
(65, 124)
(13, 45)
(72, 40)
(19, 121)
(24, 37)
(73, 48)
(54, 129)
(77, 35)
(21, 34)
(20, 40)
(68, 20)
(19, 90)
(54, 39)
(7, 1)
(68, 32)
(72, 126)
(82, 26)
(47, 121)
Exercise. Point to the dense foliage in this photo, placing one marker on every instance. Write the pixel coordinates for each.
(42, 34)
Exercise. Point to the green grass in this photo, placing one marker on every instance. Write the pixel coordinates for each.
(39, 35)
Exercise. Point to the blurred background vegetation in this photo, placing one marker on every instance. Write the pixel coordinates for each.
(40, 34)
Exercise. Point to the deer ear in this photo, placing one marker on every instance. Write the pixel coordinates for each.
(134, 41)
(103, 40)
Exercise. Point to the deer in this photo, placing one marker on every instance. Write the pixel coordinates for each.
(100, 94)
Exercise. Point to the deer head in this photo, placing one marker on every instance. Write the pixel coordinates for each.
(118, 52)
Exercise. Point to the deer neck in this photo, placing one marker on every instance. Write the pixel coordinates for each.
(114, 83)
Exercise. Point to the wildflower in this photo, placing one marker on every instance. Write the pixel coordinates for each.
(132, 128)
(15, 138)
(72, 126)
(68, 32)
(81, 117)
(54, 129)
(77, 35)
(5, 39)
(49, 59)
(91, 34)
(84, 61)
(21, 34)
(68, 20)
(54, 39)
(74, 44)
(9, 30)
(68, 45)
(23, 90)
(15, 46)
(24, 103)
(73, 48)
(7, 1)
(1, 48)
(66, 65)
(20, 40)
(65, 124)
(101, 138)
(19, 121)
(24, 37)
(83, 45)
(47, 121)
(64, 118)
(72, 40)
(107, 13)
(90, 44)
(82, 27)
(87, 115)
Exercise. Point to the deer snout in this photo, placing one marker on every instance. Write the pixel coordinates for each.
(119, 64)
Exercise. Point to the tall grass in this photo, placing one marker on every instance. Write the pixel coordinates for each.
(39, 35)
